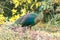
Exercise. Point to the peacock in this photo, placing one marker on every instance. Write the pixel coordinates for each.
(30, 19)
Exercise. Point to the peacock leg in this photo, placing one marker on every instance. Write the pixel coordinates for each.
(29, 27)
(24, 29)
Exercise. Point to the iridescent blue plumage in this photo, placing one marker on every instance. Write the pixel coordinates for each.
(29, 19)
